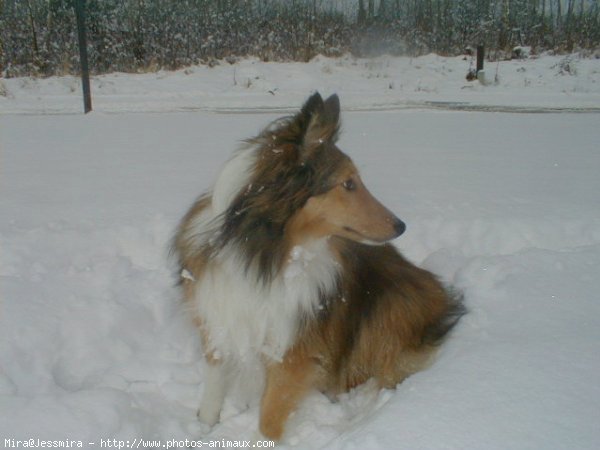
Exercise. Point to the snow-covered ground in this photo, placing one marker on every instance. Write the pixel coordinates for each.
(93, 344)
(545, 82)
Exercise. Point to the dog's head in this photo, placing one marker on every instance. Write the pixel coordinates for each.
(292, 184)
(339, 203)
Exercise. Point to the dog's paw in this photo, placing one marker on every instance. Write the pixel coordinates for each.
(198, 429)
(208, 417)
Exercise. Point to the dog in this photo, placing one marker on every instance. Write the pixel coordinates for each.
(286, 264)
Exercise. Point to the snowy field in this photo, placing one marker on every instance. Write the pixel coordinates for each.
(546, 82)
(506, 206)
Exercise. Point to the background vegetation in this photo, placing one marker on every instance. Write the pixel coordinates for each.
(38, 37)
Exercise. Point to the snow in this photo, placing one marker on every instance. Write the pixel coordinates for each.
(544, 82)
(94, 344)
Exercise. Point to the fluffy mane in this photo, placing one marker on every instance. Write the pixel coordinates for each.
(293, 159)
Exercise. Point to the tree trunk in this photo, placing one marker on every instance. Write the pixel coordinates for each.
(34, 41)
(382, 8)
(558, 15)
(362, 15)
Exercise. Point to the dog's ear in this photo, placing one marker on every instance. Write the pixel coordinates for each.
(324, 122)
(331, 110)
(312, 106)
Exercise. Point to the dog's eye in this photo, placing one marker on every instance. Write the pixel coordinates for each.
(349, 184)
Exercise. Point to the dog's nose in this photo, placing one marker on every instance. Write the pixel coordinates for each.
(399, 227)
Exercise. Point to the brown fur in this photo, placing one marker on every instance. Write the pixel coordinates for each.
(386, 317)
(386, 323)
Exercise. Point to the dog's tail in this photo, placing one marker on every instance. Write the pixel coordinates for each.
(436, 332)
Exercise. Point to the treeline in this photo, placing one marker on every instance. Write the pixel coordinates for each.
(38, 37)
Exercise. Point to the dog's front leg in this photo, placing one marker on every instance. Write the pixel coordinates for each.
(215, 388)
(287, 384)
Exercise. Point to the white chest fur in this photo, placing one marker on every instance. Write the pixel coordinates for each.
(245, 319)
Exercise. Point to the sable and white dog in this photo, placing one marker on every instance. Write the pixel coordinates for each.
(285, 262)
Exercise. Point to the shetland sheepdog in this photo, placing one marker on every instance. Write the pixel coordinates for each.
(286, 263)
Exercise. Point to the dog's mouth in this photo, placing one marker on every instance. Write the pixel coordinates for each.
(398, 225)
(360, 237)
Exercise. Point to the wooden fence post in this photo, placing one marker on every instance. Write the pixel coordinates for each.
(83, 57)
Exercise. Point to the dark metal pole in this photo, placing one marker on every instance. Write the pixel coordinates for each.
(480, 54)
(83, 57)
